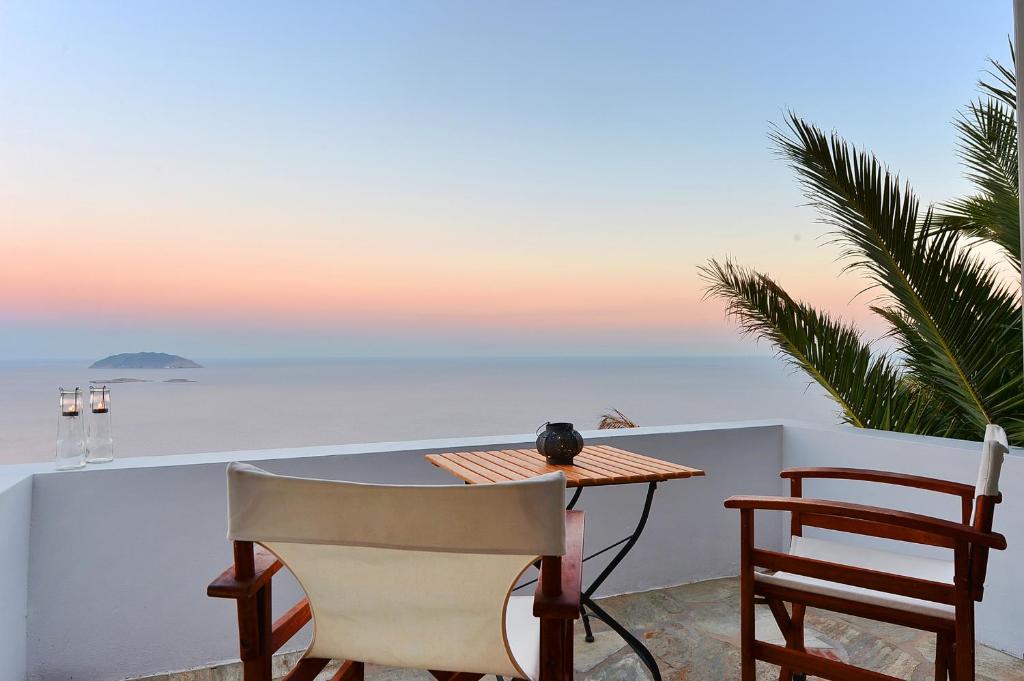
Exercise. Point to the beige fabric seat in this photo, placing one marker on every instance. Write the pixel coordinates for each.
(932, 569)
(409, 576)
(522, 630)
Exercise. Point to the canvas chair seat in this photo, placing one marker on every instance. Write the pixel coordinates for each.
(522, 630)
(931, 569)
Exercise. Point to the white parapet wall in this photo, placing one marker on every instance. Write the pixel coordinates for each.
(15, 513)
(121, 556)
(113, 561)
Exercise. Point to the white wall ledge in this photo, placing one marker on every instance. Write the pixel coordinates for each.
(11, 474)
(15, 472)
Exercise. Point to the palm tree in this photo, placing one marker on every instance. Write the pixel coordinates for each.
(955, 361)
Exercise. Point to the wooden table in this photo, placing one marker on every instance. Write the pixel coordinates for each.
(595, 466)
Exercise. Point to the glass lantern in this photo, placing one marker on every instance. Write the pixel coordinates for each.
(70, 430)
(99, 436)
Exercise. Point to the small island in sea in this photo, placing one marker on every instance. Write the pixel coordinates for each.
(145, 360)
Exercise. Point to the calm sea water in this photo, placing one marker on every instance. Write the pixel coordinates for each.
(252, 405)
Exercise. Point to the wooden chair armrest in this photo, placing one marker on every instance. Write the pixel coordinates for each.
(885, 516)
(227, 585)
(566, 603)
(958, 489)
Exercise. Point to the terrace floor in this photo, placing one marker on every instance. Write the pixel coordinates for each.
(693, 630)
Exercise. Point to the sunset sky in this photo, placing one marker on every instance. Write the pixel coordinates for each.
(421, 178)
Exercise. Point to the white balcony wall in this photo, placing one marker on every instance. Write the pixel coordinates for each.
(15, 511)
(120, 556)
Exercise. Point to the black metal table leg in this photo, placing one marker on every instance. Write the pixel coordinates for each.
(575, 497)
(587, 601)
(632, 641)
(629, 543)
(588, 608)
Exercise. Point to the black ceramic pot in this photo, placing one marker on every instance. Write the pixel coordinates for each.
(559, 443)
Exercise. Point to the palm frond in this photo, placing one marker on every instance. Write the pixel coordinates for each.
(987, 132)
(1004, 85)
(868, 388)
(981, 321)
(948, 297)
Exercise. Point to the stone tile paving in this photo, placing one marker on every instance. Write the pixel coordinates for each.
(693, 630)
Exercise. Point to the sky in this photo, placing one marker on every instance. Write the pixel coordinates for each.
(443, 178)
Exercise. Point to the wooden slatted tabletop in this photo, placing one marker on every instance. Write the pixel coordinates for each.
(595, 465)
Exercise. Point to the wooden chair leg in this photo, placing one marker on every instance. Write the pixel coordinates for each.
(748, 665)
(799, 611)
(942, 644)
(255, 626)
(797, 642)
(963, 662)
(964, 613)
(567, 651)
(552, 649)
(785, 624)
(792, 628)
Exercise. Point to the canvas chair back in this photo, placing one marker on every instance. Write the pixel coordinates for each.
(986, 493)
(404, 576)
(993, 450)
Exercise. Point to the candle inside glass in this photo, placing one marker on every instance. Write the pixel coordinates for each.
(99, 399)
(70, 451)
(69, 402)
(99, 436)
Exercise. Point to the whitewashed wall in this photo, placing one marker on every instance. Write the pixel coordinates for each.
(120, 556)
(15, 510)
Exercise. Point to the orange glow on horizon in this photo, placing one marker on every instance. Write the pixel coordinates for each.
(377, 276)
(323, 290)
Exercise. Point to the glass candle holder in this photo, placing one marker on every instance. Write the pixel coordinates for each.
(99, 442)
(70, 430)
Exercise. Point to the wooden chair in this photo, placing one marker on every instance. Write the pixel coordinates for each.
(923, 593)
(405, 576)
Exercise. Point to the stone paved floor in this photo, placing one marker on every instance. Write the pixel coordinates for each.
(693, 630)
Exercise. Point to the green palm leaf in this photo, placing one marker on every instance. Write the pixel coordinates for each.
(961, 331)
(988, 148)
(867, 387)
(1004, 85)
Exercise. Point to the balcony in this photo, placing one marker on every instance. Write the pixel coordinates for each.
(106, 568)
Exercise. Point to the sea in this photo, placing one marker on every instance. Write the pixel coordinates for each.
(235, 404)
